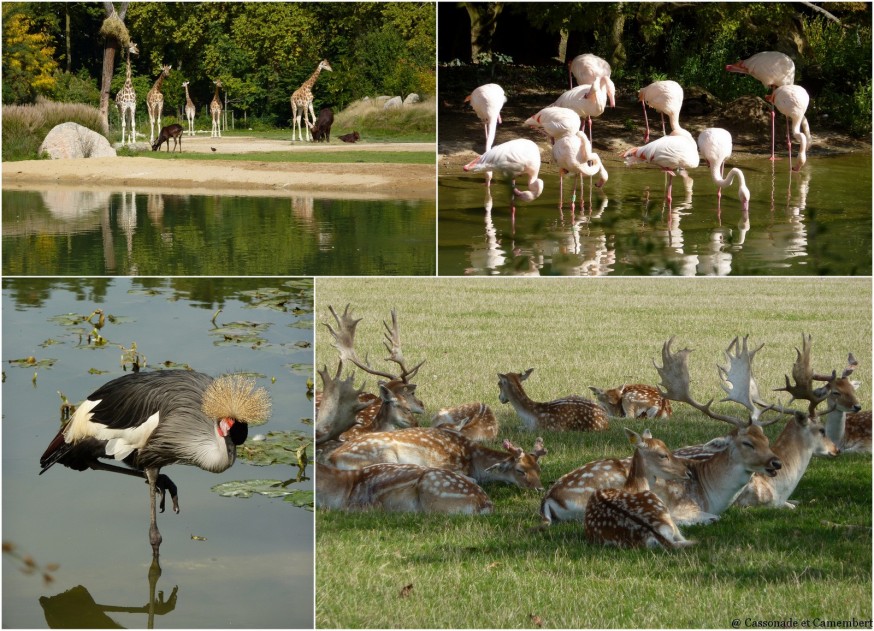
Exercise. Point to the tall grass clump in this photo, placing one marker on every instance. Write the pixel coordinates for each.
(26, 126)
(411, 122)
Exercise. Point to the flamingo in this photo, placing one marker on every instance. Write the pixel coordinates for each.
(556, 122)
(773, 69)
(573, 154)
(665, 97)
(715, 145)
(487, 101)
(510, 160)
(592, 70)
(585, 101)
(792, 101)
(675, 152)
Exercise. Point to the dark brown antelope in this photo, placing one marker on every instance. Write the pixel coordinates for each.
(569, 413)
(633, 401)
(475, 421)
(399, 488)
(429, 447)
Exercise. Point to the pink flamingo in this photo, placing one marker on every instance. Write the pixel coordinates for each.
(586, 101)
(487, 101)
(792, 101)
(715, 145)
(555, 122)
(510, 160)
(674, 152)
(665, 97)
(573, 154)
(773, 69)
(592, 70)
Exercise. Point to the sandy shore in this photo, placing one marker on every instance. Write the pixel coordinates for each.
(335, 180)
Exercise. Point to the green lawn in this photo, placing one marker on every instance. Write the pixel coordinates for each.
(493, 571)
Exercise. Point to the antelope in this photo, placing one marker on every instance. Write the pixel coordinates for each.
(634, 401)
(475, 421)
(569, 413)
(429, 447)
(716, 482)
(567, 499)
(634, 516)
(399, 488)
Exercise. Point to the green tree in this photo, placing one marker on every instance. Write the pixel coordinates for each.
(29, 65)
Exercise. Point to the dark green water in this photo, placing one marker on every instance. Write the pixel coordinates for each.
(817, 222)
(82, 233)
(253, 564)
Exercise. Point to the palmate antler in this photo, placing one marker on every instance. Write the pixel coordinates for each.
(339, 405)
(738, 381)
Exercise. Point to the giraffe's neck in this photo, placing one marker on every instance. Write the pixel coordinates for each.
(215, 99)
(188, 100)
(127, 71)
(309, 83)
(159, 83)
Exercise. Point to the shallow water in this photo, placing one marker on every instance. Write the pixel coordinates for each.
(817, 222)
(254, 568)
(80, 232)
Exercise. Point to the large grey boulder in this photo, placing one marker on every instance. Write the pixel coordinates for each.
(393, 103)
(412, 97)
(71, 140)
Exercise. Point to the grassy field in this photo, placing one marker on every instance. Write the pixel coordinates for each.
(364, 157)
(753, 564)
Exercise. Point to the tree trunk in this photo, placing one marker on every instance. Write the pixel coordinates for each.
(109, 53)
(483, 22)
(617, 48)
(69, 46)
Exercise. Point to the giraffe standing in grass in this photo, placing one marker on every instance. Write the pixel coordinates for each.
(190, 110)
(155, 103)
(215, 108)
(126, 99)
(302, 99)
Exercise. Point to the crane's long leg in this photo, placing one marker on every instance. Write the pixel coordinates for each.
(162, 482)
(154, 534)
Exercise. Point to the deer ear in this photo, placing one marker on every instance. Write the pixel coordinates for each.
(633, 437)
(647, 434)
(526, 374)
(597, 391)
(385, 394)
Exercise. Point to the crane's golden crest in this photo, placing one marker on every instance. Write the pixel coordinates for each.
(236, 396)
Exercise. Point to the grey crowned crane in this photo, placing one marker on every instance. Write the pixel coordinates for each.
(151, 420)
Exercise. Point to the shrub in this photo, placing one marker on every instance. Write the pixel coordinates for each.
(369, 118)
(26, 126)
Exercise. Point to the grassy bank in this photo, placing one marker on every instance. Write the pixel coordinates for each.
(492, 571)
(26, 126)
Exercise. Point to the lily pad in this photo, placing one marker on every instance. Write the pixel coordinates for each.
(68, 319)
(301, 498)
(171, 365)
(236, 327)
(303, 370)
(97, 371)
(50, 342)
(305, 324)
(246, 488)
(33, 362)
(277, 448)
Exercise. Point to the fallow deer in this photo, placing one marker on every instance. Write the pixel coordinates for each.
(399, 488)
(431, 447)
(567, 499)
(569, 413)
(338, 405)
(633, 401)
(475, 421)
(857, 432)
(634, 516)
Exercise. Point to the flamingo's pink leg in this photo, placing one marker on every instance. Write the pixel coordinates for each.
(646, 121)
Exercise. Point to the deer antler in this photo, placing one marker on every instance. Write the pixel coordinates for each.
(339, 405)
(393, 345)
(803, 376)
(344, 342)
(675, 381)
(737, 379)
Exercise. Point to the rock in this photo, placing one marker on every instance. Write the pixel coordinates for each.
(748, 113)
(698, 102)
(412, 97)
(381, 100)
(393, 103)
(71, 140)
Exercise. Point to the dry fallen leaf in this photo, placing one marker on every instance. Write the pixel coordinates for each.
(407, 589)
(536, 620)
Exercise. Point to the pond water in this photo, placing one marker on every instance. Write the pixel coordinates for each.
(226, 561)
(75, 232)
(817, 222)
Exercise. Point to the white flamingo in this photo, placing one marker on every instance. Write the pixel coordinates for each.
(487, 101)
(676, 152)
(556, 122)
(792, 101)
(592, 70)
(510, 160)
(715, 145)
(586, 101)
(665, 97)
(773, 69)
(573, 154)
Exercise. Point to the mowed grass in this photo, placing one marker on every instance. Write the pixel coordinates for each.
(331, 157)
(493, 571)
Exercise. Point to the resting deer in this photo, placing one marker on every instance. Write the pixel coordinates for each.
(634, 401)
(400, 488)
(567, 499)
(475, 421)
(570, 413)
(431, 447)
(338, 405)
(634, 516)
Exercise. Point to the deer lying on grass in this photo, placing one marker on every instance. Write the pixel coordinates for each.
(568, 498)
(634, 516)
(569, 413)
(429, 447)
(399, 488)
(475, 421)
(634, 401)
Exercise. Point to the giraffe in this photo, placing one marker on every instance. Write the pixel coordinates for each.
(215, 108)
(303, 99)
(126, 99)
(155, 103)
(190, 110)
